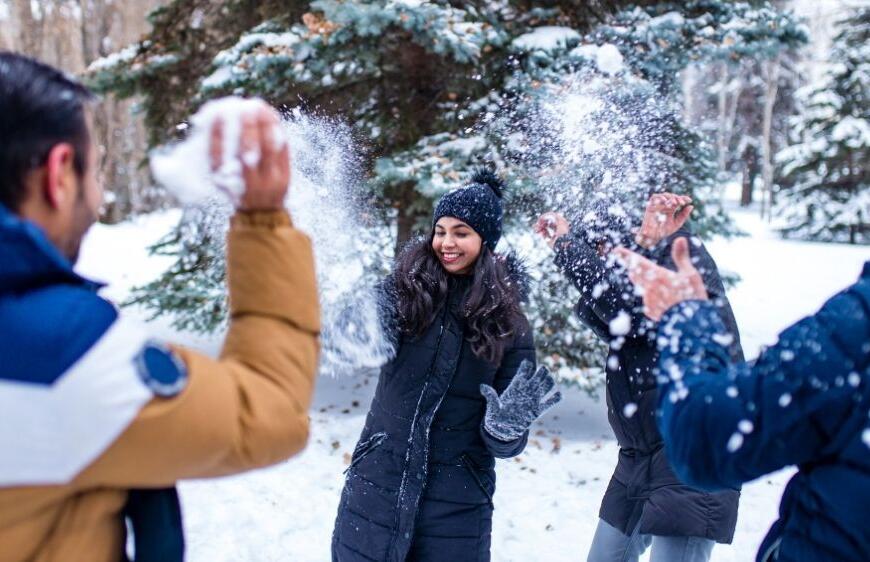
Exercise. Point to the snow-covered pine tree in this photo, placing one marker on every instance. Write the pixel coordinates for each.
(433, 88)
(824, 177)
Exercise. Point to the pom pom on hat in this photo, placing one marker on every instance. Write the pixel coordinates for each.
(478, 204)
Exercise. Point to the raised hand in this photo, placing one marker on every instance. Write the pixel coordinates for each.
(665, 214)
(510, 415)
(660, 287)
(550, 226)
(264, 157)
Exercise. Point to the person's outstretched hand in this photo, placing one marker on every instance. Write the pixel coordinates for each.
(551, 226)
(510, 415)
(264, 157)
(665, 214)
(660, 287)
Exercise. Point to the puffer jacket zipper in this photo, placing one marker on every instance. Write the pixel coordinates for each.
(400, 495)
(370, 445)
(471, 467)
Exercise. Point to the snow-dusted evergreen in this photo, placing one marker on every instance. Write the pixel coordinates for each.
(568, 107)
(825, 180)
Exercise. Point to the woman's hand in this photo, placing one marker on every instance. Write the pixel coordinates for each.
(510, 415)
(552, 226)
(665, 214)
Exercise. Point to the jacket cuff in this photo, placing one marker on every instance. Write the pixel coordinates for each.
(504, 449)
(263, 219)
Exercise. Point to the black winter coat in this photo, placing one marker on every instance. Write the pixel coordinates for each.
(422, 476)
(644, 487)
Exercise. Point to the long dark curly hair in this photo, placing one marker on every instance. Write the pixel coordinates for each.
(491, 305)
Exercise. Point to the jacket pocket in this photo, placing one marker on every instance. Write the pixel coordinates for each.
(365, 447)
(474, 471)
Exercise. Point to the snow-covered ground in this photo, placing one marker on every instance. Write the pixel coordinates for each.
(547, 499)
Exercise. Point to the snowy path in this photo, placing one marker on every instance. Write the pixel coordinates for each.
(547, 501)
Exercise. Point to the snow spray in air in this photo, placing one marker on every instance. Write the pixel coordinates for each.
(321, 200)
(598, 144)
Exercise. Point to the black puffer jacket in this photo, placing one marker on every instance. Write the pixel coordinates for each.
(643, 487)
(422, 476)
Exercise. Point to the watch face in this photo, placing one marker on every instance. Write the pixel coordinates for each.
(161, 371)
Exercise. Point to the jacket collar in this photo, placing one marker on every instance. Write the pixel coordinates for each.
(28, 260)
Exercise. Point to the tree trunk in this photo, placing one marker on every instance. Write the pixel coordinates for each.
(727, 102)
(96, 26)
(30, 26)
(750, 172)
(770, 72)
(722, 106)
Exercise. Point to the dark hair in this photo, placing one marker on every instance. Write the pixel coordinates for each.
(39, 108)
(491, 305)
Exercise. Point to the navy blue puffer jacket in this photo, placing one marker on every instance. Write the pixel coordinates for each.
(422, 476)
(804, 402)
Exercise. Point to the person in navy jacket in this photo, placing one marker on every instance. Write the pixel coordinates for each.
(803, 402)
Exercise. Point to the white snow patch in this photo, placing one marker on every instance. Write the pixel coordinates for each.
(865, 436)
(123, 56)
(781, 280)
(745, 426)
(629, 410)
(856, 132)
(785, 399)
(735, 442)
(621, 325)
(723, 339)
(218, 78)
(546, 38)
(671, 18)
(609, 59)
(599, 289)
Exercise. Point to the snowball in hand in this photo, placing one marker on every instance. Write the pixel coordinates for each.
(184, 168)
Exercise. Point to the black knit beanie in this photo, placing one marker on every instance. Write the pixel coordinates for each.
(477, 204)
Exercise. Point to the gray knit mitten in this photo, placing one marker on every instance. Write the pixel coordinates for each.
(510, 415)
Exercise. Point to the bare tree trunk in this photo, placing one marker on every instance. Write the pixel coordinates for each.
(30, 25)
(722, 104)
(96, 24)
(770, 72)
(689, 83)
(735, 89)
(750, 172)
(730, 89)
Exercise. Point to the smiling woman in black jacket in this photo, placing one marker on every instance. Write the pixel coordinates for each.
(460, 392)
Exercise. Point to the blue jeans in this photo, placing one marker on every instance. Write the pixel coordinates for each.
(610, 545)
